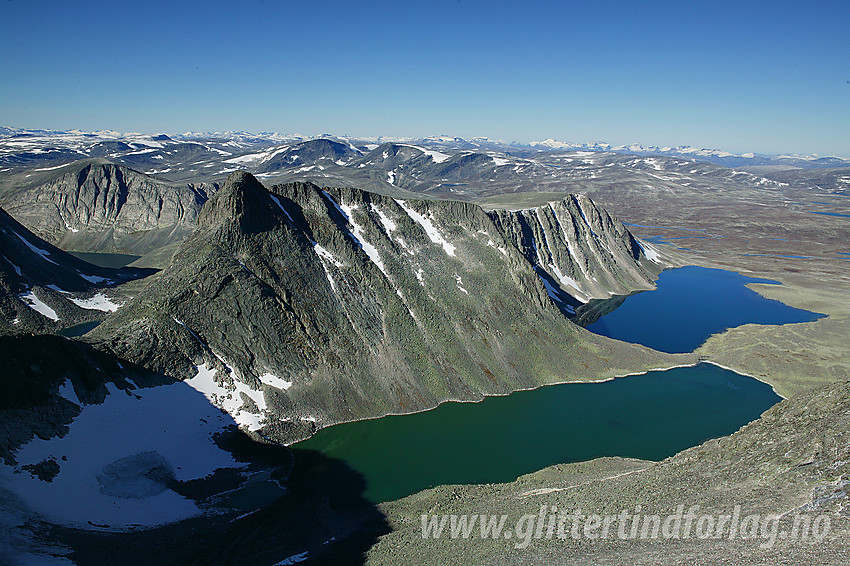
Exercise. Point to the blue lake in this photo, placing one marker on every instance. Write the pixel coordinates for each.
(650, 416)
(689, 305)
(831, 214)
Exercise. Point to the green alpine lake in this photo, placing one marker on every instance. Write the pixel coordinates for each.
(649, 416)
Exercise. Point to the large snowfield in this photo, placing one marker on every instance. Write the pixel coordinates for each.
(106, 459)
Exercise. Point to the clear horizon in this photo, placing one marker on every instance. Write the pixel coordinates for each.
(762, 77)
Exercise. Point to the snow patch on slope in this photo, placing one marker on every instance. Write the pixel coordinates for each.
(326, 255)
(98, 302)
(106, 458)
(38, 305)
(650, 252)
(280, 205)
(15, 267)
(429, 228)
(274, 381)
(387, 222)
(435, 155)
(36, 250)
(229, 398)
(359, 237)
(357, 232)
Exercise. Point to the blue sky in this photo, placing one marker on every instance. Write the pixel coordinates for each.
(768, 77)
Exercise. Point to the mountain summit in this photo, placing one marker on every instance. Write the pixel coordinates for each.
(243, 200)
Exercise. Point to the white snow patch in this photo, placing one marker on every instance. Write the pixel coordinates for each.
(386, 221)
(551, 290)
(109, 449)
(429, 228)
(503, 251)
(325, 254)
(98, 302)
(34, 249)
(66, 391)
(654, 163)
(391, 177)
(357, 233)
(499, 161)
(435, 155)
(52, 168)
(247, 158)
(404, 245)
(584, 216)
(569, 281)
(219, 151)
(420, 276)
(650, 252)
(230, 400)
(93, 278)
(279, 204)
(15, 267)
(38, 305)
(460, 284)
(275, 381)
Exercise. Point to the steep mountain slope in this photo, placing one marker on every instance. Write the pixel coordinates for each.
(577, 245)
(43, 289)
(94, 205)
(324, 305)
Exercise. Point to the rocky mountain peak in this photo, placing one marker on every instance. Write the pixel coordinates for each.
(242, 200)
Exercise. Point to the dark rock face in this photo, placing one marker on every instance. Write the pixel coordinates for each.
(340, 304)
(100, 206)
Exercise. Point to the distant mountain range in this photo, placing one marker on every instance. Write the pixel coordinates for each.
(108, 141)
(136, 194)
(717, 156)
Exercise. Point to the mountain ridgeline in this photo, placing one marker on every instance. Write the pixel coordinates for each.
(95, 205)
(331, 305)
